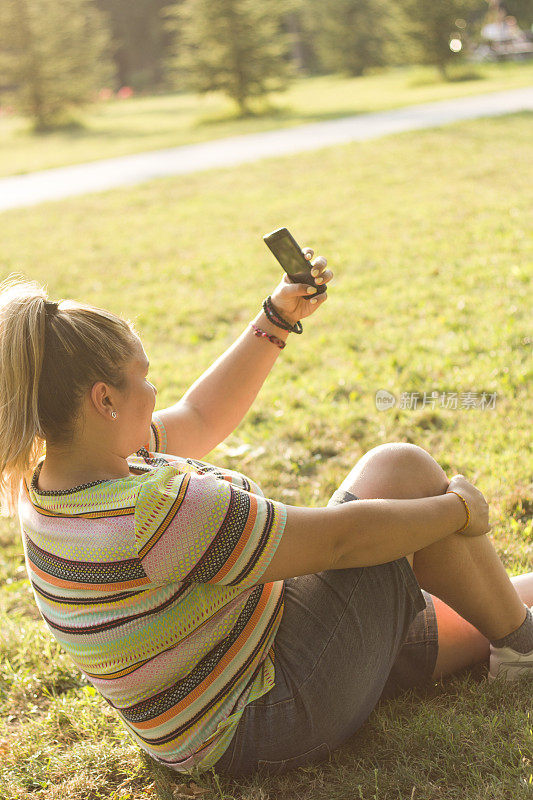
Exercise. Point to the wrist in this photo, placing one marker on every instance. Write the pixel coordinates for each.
(283, 314)
(466, 510)
(458, 514)
(275, 317)
(262, 321)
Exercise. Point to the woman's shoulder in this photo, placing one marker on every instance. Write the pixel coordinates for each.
(224, 473)
(195, 466)
(156, 450)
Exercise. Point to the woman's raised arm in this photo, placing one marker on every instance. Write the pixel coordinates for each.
(223, 394)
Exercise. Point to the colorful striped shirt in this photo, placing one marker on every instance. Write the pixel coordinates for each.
(152, 584)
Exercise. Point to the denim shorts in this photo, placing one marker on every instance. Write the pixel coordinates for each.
(347, 638)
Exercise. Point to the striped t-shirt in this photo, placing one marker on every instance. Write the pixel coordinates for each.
(151, 584)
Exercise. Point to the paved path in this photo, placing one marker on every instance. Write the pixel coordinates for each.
(53, 184)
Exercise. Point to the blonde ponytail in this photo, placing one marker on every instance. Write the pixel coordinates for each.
(50, 354)
(21, 359)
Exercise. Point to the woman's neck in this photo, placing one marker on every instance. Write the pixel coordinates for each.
(65, 468)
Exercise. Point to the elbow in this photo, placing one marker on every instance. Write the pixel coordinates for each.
(346, 550)
(354, 548)
(337, 553)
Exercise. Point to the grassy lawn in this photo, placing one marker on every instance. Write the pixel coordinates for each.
(149, 123)
(428, 236)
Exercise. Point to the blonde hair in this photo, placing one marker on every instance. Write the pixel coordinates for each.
(50, 355)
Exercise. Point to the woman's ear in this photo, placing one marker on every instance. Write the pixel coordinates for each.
(101, 398)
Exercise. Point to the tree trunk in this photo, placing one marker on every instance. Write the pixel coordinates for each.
(36, 104)
(40, 120)
(441, 66)
(242, 103)
(293, 23)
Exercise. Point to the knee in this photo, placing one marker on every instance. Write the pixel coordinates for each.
(411, 462)
(399, 469)
(401, 453)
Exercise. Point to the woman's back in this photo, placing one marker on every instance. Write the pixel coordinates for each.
(150, 583)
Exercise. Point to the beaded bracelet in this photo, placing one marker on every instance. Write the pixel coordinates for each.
(274, 339)
(452, 491)
(275, 317)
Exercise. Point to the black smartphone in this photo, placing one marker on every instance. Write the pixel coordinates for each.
(289, 254)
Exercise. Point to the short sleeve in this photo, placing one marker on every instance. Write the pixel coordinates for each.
(158, 436)
(204, 529)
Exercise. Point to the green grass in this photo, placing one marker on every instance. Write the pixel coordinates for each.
(149, 123)
(428, 236)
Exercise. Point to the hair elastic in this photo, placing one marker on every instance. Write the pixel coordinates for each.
(50, 307)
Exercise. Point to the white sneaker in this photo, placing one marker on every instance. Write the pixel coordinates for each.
(509, 665)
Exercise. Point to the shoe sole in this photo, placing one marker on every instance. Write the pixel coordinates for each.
(512, 672)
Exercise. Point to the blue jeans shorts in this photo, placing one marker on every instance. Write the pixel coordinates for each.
(347, 637)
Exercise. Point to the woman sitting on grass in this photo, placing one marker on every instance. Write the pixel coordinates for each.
(228, 629)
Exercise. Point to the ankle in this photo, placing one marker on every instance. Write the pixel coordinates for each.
(521, 639)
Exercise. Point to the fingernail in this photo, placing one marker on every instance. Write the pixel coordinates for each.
(308, 255)
(314, 271)
(311, 290)
(313, 300)
(319, 280)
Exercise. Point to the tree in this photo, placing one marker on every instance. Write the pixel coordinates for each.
(53, 56)
(301, 26)
(431, 26)
(235, 46)
(139, 41)
(353, 35)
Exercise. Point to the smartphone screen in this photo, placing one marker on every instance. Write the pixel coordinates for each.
(289, 254)
(286, 250)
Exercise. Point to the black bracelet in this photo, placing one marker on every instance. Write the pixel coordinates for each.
(274, 316)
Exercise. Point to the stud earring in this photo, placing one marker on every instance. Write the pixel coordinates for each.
(114, 414)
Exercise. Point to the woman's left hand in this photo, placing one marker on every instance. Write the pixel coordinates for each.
(287, 296)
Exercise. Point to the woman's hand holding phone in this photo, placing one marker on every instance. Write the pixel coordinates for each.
(291, 300)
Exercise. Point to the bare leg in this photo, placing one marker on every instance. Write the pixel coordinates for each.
(475, 598)
(460, 644)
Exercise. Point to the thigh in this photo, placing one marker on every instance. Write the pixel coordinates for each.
(416, 659)
(339, 638)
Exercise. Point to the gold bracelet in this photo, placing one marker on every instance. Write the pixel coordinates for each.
(452, 491)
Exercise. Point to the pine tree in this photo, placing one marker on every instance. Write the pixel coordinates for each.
(301, 27)
(139, 41)
(53, 56)
(353, 35)
(430, 26)
(234, 46)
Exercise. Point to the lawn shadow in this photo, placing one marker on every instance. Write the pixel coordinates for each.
(466, 76)
(454, 76)
(281, 113)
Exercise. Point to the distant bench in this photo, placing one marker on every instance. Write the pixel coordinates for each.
(509, 49)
